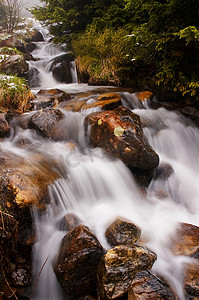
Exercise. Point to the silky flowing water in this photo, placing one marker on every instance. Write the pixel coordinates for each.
(98, 188)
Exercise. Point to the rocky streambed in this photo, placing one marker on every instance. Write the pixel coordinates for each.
(99, 192)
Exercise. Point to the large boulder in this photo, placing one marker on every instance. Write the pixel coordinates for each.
(61, 68)
(119, 133)
(44, 121)
(122, 233)
(118, 268)
(186, 241)
(14, 65)
(4, 126)
(76, 267)
(146, 286)
(69, 222)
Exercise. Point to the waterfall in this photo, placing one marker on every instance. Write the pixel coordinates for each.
(98, 188)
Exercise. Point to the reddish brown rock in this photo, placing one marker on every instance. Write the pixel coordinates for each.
(144, 96)
(118, 268)
(119, 133)
(4, 126)
(122, 233)
(74, 105)
(45, 120)
(105, 101)
(186, 241)
(76, 267)
(191, 280)
(146, 286)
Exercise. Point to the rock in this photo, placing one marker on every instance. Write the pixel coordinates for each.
(61, 68)
(186, 241)
(4, 126)
(192, 113)
(14, 65)
(146, 286)
(49, 98)
(118, 268)
(25, 182)
(32, 76)
(30, 47)
(69, 222)
(73, 105)
(119, 133)
(144, 96)
(163, 171)
(122, 233)
(37, 36)
(12, 42)
(45, 120)
(76, 267)
(191, 280)
(105, 101)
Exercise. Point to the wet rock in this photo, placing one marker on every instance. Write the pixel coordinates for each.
(191, 280)
(105, 101)
(186, 241)
(122, 233)
(146, 286)
(4, 126)
(144, 96)
(32, 76)
(163, 171)
(49, 98)
(30, 47)
(69, 222)
(76, 267)
(45, 120)
(142, 177)
(25, 182)
(61, 68)
(119, 133)
(37, 36)
(118, 268)
(73, 105)
(14, 65)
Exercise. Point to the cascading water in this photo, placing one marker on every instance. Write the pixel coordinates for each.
(98, 189)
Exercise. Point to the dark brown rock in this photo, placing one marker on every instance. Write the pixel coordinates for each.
(191, 280)
(61, 68)
(69, 222)
(14, 65)
(186, 241)
(118, 268)
(4, 126)
(76, 267)
(37, 36)
(119, 133)
(44, 121)
(146, 286)
(122, 233)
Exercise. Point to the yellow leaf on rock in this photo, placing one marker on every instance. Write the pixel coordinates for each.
(118, 131)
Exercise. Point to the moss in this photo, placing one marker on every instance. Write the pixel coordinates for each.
(14, 93)
(9, 51)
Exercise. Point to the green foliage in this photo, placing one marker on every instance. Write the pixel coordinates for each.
(123, 41)
(103, 55)
(14, 93)
(9, 51)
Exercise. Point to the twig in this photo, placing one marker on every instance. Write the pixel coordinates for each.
(38, 277)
